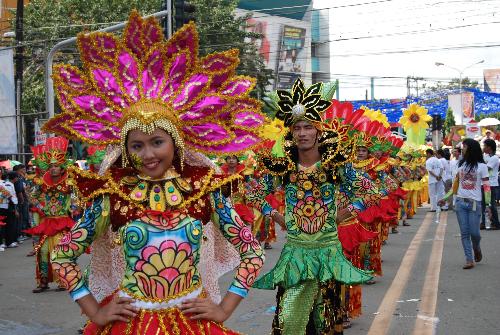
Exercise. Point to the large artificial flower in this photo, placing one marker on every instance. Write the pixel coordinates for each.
(415, 117)
(301, 104)
(376, 115)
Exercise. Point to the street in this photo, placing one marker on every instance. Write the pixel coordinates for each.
(424, 289)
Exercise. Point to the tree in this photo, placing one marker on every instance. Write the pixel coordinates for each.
(453, 84)
(449, 121)
(48, 22)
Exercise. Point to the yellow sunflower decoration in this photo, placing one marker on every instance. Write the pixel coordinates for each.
(275, 130)
(376, 115)
(414, 122)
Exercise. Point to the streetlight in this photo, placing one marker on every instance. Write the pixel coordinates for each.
(460, 72)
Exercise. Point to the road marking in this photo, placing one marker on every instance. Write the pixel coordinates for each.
(382, 320)
(426, 323)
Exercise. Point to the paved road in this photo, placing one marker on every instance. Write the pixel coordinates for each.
(424, 289)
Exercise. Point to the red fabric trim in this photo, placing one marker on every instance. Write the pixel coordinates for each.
(353, 234)
(245, 213)
(50, 226)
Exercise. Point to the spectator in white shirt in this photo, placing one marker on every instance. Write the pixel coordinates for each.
(8, 205)
(446, 175)
(436, 186)
(492, 162)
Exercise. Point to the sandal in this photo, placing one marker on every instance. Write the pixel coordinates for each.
(347, 323)
(40, 289)
(267, 246)
(406, 224)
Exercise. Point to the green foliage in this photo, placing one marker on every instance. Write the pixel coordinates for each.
(453, 84)
(449, 121)
(48, 22)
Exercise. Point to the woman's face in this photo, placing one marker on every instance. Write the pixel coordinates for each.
(154, 153)
(464, 148)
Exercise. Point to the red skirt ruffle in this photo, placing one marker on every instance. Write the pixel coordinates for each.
(50, 226)
(171, 321)
(352, 234)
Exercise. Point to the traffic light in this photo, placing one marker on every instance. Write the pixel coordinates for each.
(183, 12)
(436, 122)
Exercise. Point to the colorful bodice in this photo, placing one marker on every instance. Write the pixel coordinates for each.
(161, 255)
(55, 199)
(310, 207)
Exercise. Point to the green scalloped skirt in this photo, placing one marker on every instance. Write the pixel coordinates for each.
(311, 260)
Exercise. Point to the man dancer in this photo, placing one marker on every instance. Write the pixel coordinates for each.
(314, 166)
(54, 197)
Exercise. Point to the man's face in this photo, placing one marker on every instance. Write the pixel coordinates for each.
(232, 161)
(456, 153)
(429, 155)
(55, 171)
(305, 135)
(362, 153)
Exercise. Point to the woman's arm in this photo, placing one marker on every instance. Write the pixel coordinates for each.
(252, 258)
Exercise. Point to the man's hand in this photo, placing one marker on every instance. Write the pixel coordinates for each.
(278, 218)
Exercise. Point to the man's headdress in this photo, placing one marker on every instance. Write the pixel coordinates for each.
(52, 152)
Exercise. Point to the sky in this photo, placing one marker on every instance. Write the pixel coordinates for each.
(374, 37)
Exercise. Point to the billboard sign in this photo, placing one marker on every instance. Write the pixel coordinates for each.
(292, 56)
(492, 80)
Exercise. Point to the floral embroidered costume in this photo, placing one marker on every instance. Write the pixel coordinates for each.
(142, 82)
(52, 202)
(312, 264)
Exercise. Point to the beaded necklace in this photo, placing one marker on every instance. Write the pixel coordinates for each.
(160, 193)
(308, 179)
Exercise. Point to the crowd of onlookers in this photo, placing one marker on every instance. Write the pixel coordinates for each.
(14, 206)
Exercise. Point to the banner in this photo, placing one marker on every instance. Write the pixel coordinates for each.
(467, 106)
(8, 133)
(292, 56)
(472, 129)
(40, 137)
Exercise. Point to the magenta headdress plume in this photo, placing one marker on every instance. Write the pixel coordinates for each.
(143, 82)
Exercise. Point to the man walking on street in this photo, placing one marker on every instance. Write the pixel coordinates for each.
(492, 162)
(436, 186)
(8, 204)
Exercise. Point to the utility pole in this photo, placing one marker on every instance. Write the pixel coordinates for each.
(408, 86)
(167, 21)
(372, 86)
(337, 93)
(19, 72)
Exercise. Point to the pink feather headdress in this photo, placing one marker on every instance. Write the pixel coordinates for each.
(140, 81)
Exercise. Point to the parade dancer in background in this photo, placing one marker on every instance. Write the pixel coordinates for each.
(159, 196)
(52, 196)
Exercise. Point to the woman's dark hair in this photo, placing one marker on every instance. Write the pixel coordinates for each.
(473, 155)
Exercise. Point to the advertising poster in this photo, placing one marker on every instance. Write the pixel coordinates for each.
(263, 45)
(467, 106)
(292, 56)
(492, 80)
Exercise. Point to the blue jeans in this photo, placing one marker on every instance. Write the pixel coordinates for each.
(469, 220)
